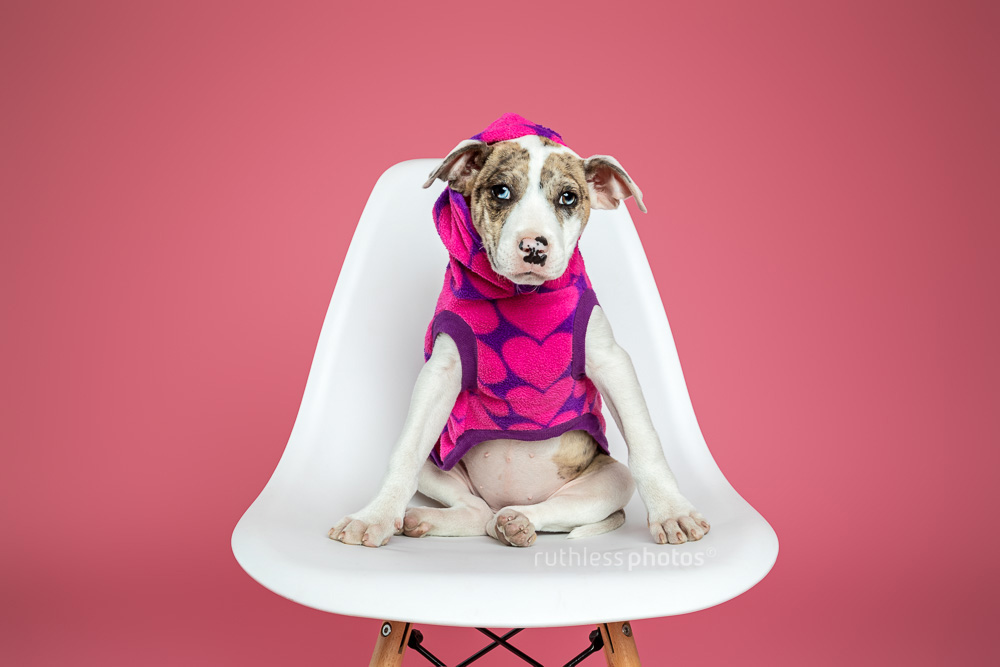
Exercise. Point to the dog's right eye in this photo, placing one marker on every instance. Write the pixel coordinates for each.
(501, 192)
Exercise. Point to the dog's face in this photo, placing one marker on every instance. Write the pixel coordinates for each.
(530, 199)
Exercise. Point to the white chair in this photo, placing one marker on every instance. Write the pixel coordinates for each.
(369, 353)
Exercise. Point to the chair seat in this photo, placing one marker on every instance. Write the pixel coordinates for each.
(367, 359)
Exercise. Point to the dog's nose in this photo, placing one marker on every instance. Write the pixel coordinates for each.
(534, 249)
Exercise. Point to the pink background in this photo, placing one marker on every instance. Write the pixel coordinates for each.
(179, 186)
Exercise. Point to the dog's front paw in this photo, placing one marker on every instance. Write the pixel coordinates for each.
(367, 529)
(678, 523)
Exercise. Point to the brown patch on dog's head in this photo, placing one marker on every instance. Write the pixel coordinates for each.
(563, 174)
(507, 166)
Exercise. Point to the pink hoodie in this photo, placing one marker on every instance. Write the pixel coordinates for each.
(522, 347)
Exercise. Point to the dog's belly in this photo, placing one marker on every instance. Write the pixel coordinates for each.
(517, 472)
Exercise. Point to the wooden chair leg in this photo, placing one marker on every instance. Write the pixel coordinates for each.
(619, 644)
(391, 644)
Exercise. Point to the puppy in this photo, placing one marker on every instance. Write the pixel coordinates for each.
(505, 427)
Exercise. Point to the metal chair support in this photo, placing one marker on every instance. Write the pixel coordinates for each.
(394, 637)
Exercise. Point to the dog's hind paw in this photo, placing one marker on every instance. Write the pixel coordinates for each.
(513, 528)
(369, 532)
(453, 521)
(416, 523)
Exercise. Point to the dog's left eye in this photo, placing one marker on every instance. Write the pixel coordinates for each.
(501, 192)
(567, 199)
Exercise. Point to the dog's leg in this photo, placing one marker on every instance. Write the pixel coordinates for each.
(671, 517)
(434, 394)
(464, 513)
(592, 502)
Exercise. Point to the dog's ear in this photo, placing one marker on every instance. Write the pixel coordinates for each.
(462, 165)
(609, 183)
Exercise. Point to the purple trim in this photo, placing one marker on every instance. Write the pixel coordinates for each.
(436, 457)
(588, 299)
(452, 324)
(470, 439)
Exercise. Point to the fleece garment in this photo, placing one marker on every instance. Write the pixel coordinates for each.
(522, 347)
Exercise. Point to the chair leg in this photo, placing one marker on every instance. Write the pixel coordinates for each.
(391, 644)
(619, 644)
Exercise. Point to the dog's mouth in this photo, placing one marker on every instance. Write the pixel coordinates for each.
(534, 276)
(527, 278)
